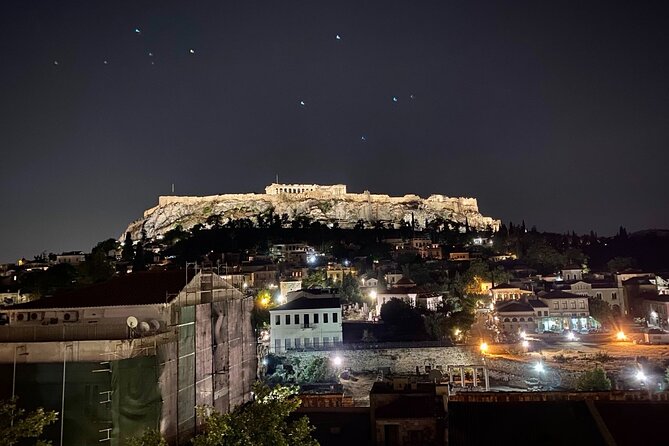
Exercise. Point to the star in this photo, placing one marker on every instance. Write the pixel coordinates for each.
(411, 96)
(105, 62)
(150, 54)
(191, 51)
(363, 138)
(55, 62)
(394, 98)
(138, 31)
(302, 104)
(338, 37)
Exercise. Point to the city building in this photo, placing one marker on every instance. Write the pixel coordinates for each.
(572, 272)
(656, 309)
(140, 351)
(71, 258)
(336, 272)
(504, 291)
(306, 321)
(516, 316)
(567, 311)
(607, 291)
(404, 412)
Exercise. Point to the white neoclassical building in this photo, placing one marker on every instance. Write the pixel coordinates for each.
(311, 323)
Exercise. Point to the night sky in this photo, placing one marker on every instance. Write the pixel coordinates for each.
(553, 112)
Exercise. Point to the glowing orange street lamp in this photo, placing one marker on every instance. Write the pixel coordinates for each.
(483, 347)
(621, 336)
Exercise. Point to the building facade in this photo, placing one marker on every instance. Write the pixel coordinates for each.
(306, 323)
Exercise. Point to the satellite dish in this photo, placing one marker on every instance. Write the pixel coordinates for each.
(144, 326)
(155, 325)
(131, 321)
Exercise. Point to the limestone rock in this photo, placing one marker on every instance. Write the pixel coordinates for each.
(326, 204)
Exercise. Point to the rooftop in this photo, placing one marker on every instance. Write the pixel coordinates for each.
(145, 288)
(514, 307)
(307, 303)
(558, 294)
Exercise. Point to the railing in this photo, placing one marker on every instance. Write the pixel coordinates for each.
(63, 332)
(364, 346)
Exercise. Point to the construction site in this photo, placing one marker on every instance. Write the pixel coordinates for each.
(141, 351)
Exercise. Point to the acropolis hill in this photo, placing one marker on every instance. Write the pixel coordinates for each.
(326, 204)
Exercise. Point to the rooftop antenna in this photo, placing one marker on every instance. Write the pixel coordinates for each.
(277, 178)
(172, 187)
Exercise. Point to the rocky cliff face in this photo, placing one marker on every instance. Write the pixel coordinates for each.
(345, 209)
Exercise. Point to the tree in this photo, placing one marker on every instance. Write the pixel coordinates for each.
(128, 252)
(262, 422)
(106, 246)
(594, 380)
(544, 257)
(96, 268)
(150, 437)
(317, 370)
(350, 289)
(139, 262)
(316, 279)
(17, 424)
(600, 310)
(396, 311)
(618, 264)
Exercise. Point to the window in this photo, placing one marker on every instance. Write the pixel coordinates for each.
(288, 319)
(546, 313)
(325, 321)
(315, 318)
(556, 305)
(277, 320)
(522, 319)
(307, 342)
(306, 320)
(582, 304)
(298, 343)
(334, 318)
(529, 319)
(277, 344)
(513, 319)
(335, 339)
(572, 304)
(506, 319)
(316, 342)
(326, 341)
(296, 319)
(614, 296)
(598, 295)
(287, 343)
(564, 305)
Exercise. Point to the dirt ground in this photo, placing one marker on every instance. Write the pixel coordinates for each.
(510, 366)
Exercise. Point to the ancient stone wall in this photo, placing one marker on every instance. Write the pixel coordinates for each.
(327, 204)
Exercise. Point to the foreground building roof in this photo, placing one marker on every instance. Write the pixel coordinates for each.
(144, 288)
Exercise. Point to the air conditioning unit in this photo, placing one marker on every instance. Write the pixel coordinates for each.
(22, 317)
(36, 316)
(70, 316)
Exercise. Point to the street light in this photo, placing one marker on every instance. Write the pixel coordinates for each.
(539, 367)
(571, 336)
(641, 376)
(525, 344)
(372, 294)
(621, 336)
(337, 361)
(484, 347)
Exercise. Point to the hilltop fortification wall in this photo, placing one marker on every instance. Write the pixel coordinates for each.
(327, 204)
